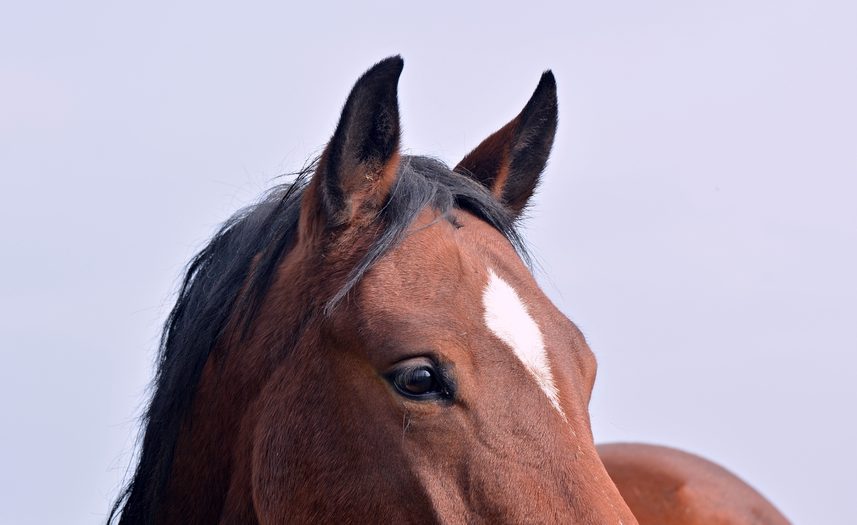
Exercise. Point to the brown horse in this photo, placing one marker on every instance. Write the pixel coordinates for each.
(367, 344)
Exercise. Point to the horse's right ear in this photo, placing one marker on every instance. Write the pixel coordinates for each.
(359, 164)
(510, 161)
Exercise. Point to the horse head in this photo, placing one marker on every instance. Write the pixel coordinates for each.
(375, 347)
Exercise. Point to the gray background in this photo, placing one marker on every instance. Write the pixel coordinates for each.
(697, 220)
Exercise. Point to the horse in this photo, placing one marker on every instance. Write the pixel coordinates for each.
(367, 344)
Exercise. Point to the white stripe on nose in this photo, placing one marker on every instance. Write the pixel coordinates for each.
(507, 316)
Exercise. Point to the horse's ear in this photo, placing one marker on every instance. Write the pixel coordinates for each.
(510, 161)
(359, 164)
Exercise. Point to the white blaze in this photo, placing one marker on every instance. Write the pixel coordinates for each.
(507, 316)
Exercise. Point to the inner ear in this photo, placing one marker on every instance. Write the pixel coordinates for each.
(510, 161)
(359, 164)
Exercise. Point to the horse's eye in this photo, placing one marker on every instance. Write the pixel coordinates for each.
(419, 381)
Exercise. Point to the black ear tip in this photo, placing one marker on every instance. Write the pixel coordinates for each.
(389, 69)
(379, 84)
(544, 100)
(546, 87)
(395, 60)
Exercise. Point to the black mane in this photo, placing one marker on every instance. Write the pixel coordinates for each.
(209, 295)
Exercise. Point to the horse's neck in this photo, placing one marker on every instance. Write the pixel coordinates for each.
(211, 466)
(211, 471)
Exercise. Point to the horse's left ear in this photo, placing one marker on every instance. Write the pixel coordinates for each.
(510, 161)
(359, 164)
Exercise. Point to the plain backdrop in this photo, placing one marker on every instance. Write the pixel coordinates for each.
(698, 219)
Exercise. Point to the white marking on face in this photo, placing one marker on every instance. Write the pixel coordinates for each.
(506, 315)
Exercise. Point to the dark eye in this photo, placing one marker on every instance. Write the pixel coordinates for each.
(417, 381)
(420, 381)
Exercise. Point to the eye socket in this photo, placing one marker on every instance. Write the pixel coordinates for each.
(419, 380)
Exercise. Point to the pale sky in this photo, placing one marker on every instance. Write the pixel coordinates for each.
(697, 219)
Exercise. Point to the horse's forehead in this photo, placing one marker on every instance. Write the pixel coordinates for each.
(450, 268)
(511, 320)
(462, 250)
(468, 278)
